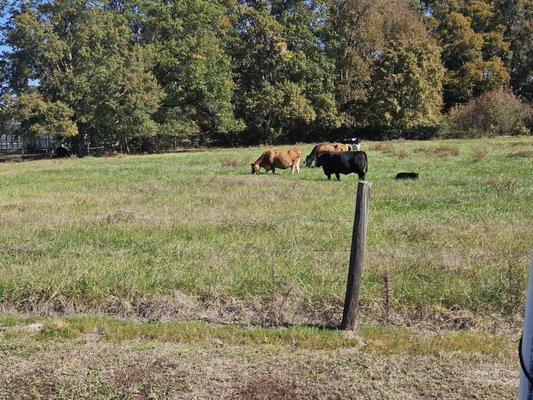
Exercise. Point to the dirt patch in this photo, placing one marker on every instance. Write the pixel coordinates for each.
(32, 329)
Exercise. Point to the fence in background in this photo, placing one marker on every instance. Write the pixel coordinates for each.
(15, 144)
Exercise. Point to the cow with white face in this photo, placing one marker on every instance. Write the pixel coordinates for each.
(354, 142)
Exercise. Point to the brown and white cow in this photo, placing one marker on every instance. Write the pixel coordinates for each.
(323, 148)
(282, 159)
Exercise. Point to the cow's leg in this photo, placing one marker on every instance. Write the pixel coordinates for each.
(293, 167)
(337, 175)
(298, 167)
(361, 176)
(273, 170)
(329, 177)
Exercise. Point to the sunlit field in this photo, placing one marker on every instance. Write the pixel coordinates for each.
(195, 234)
(113, 262)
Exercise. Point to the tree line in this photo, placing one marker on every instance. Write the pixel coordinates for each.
(145, 73)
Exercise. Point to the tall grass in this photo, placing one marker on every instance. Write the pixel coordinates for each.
(166, 231)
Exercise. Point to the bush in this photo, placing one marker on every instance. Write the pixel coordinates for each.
(498, 112)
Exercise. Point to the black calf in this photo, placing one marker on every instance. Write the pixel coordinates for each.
(407, 175)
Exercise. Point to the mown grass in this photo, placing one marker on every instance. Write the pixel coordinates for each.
(88, 358)
(160, 234)
(369, 338)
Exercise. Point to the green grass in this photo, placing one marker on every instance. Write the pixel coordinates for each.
(189, 233)
(370, 338)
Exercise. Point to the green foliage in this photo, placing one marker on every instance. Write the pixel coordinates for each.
(279, 106)
(284, 78)
(142, 73)
(406, 88)
(93, 70)
(192, 68)
(38, 116)
(360, 30)
(475, 51)
(516, 16)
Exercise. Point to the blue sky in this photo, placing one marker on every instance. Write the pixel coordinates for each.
(2, 22)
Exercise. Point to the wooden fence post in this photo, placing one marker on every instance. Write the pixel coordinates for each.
(357, 255)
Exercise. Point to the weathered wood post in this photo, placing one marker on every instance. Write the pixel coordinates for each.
(357, 255)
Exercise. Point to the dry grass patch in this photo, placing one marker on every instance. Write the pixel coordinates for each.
(384, 147)
(246, 180)
(269, 387)
(147, 381)
(145, 368)
(479, 154)
(37, 383)
(439, 151)
(518, 144)
(522, 154)
(231, 162)
(400, 154)
(502, 186)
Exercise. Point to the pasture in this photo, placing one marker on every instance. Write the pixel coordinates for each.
(177, 238)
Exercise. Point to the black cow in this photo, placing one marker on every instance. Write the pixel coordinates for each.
(344, 163)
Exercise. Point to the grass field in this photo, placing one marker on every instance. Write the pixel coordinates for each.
(178, 238)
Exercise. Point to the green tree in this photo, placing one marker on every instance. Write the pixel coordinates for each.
(475, 50)
(406, 88)
(517, 16)
(37, 116)
(280, 60)
(358, 31)
(73, 53)
(192, 68)
(278, 107)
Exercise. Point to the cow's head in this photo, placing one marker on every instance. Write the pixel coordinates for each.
(309, 161)
(255, 168)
